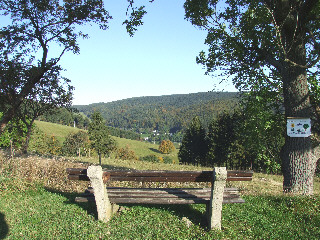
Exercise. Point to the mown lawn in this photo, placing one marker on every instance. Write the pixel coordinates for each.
(38, 213)
(37, 202)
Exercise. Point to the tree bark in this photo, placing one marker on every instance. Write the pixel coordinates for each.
(26, 144)
(298, 158)
(297, 154)
(99, 153)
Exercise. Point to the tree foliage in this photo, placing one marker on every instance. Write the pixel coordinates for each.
(117, 132)
(193, 148)
(26, 62)
(15, 134)
(166, 146)
(76, 144)
(225, 142)
(274, 44)
(165, 114)
(41, 143)
(48, 95)
(263, 130)
(99, 136)
(125, 153)
(242, 139)
(66, 116)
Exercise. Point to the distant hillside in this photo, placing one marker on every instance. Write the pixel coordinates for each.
(171, 113)
(141, 149)
(54, 129)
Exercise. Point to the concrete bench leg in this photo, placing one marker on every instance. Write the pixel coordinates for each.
(214, 209)
(105, 209)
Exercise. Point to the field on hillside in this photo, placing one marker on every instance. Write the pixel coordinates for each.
(54, 129)
(140, 148)
(37, 202)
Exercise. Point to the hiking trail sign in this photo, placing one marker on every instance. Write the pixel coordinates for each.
(298, 127)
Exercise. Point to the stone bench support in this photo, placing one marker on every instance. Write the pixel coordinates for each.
(105, 208)
(214, 208)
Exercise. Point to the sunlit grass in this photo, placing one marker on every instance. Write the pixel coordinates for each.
(57, 130)
(37, 202)
(140, 148)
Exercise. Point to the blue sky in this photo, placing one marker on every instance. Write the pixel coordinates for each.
(159, 60)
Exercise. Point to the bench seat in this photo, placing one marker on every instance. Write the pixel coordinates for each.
(107, 198)
(120, 195)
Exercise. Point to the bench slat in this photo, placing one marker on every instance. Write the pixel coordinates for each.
(159, 176)
(160, 200)
(163, 195)
(164, 190)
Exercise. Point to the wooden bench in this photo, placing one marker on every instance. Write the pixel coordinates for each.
(107, 198)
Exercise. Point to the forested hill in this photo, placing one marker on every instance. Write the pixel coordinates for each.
(171, 113)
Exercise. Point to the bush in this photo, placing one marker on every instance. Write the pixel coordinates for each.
(42, 144)
(14, 135)
(150, 158)
(75, 142)
(155, 159)
(166, 146)
(126, 154)
(167, 159)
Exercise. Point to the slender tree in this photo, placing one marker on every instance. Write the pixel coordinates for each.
(193, 148)
(99, 136)
(274, 43)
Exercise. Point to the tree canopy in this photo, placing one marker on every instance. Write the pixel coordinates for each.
(26, 60)
(274, 45)
(193, 148)
(99, 136)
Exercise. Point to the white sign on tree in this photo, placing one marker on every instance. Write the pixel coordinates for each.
(298, 127)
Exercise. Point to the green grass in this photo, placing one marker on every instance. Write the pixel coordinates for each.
(140, 148)
(37, 202)
(145, 148)
(38, 205)
(57, 130)
(39, 213)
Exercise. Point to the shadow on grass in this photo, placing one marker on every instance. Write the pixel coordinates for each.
(111, 167)
(191, 212)
(155, 150)
(89, 207)
(188, 211)
(4, 228)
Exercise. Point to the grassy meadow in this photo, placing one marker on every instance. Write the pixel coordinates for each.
(141, 149)
(37, 202)
(54, 129)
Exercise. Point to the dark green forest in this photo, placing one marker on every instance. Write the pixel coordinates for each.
(165, 114)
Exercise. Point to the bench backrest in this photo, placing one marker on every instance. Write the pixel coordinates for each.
(158, 176)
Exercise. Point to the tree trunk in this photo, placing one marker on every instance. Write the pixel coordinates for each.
(99, 153)
(26, 144)
(297, 154)
(6, 119)
(15, 98)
